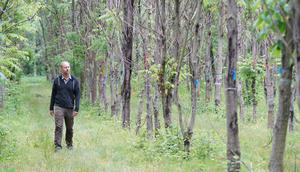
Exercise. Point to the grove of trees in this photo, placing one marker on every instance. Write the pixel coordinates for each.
(232, 49)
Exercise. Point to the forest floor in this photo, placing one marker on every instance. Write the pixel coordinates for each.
(100, 144)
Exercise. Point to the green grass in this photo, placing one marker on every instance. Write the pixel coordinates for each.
(102, 145)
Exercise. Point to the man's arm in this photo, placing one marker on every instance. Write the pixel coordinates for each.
(53, 96)
(77, 96)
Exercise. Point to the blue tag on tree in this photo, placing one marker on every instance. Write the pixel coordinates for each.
(197, 83)
(233, 74)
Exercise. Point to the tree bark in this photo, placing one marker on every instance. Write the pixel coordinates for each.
(102, 65)
(280, 128)
(127, 56)
(157, 59)
(156, 109)
(140, 112)
(219, 60)
(208, 64)
(253, 81)
(90, 74)
(3, 9)
(241, 100)
(194, 62)
(166, 93)
(269, 84)
(297, 47)
(146, 54)
(292, 110)
(233, 144)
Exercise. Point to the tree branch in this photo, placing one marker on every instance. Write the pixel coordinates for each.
(2, 11)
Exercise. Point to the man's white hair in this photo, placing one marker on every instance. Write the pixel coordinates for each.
(64, 62)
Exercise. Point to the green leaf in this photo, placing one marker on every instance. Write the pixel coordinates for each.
(281, 26)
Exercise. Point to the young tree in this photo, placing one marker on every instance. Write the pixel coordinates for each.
(269, 84)
(280, 128)
(194, 62)
(219, 59)
(128, 10)
(233, 144)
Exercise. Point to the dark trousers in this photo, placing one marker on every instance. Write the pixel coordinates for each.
(61, 115)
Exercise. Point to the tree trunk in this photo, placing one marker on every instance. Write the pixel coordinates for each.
(102, 83)
(280, 128)
(45, 46)
(146, 54)
(292, 110)
(241, 100)
(140, 112)
(156, 109)
(149, 117)
(90, 66)
(179, 43)
(166, 93)
(127, 56)
(157, 59)
(73, 16)
(269, 84)
(233, 144)
(297, 47)
(253, 81)
(219, 60)
(112, 82)
(194, 62)
(114, 57)
(208, 65)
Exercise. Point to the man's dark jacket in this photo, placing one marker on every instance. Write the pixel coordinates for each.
(65, 95)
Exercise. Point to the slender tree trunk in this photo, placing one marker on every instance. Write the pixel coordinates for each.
(140, 112)
(112, 82)
(219, 60)
(166, 93)
(127, 56)
(179, 58)
(241, 100)
(90, 66)
(73, 16)
(149, 117)
(114, 57)
(292, 110)
(156, 109)
(157, 60)
(194, 67)
(297, 47)
(280, 128)
(102, 83)
(146, 54)
(45, 46)
(208, 65)
(93, 79)
(269, 84)
(253, 81)
(233, 143)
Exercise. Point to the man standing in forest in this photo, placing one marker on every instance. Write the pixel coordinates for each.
(64, 104)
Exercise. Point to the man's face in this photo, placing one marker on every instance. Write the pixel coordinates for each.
(65, 68)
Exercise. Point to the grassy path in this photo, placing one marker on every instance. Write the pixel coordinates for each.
(101, 145)
(34, 137)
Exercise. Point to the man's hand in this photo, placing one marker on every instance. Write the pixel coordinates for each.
(75, 113)
(51, 112)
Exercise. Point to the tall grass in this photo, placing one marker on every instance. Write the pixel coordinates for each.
(100, 144)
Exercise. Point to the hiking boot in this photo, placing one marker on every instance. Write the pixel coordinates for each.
(70, 147)
(58, 148)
